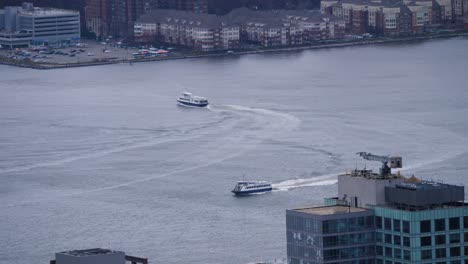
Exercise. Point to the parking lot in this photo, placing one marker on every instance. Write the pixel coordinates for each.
(85, 51)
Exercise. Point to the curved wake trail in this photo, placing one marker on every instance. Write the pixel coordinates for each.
(218, 143)
(148, 142)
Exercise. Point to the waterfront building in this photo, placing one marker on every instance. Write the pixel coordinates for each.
(460, 7)
(445, 10)
(390, 17)
(210, 32)
(414, 221)
(200, 31)
(113, 17)
(317, 26)
(98, 17)
(420, 17)
(39, 26)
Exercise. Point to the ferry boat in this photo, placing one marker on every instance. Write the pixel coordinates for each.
(188, 99)
(249, 187)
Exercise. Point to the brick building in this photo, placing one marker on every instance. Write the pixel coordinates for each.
(200, 31)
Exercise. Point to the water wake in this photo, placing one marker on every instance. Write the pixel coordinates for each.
(328, 179)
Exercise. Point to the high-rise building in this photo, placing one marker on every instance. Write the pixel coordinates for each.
(113, 17)
(414, 221)
(98, 17)
(330, 234)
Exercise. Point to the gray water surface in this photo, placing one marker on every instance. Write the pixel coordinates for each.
(103, 157)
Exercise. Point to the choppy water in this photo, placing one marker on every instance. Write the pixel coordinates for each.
(103, 157)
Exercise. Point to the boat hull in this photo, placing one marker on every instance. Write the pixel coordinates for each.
(241, 193)
(192, 104)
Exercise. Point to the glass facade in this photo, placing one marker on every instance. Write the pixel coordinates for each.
(428, 236)
(336, 238)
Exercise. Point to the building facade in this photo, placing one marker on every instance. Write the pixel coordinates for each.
(392, 18)
(200, 31)
(330, 234)
(44, 26)
(413, 221)
(210, 32)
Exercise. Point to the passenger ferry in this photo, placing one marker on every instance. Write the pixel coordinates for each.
(188, 99)
(249, 187)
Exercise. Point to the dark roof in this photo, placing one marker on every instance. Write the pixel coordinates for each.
(178, 17)
(90, 252)
(237, 17)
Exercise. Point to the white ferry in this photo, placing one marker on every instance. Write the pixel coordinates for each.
(249, 187)
(188, 99)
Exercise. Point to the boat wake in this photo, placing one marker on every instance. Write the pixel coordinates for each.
(328, 179)
(235, 131)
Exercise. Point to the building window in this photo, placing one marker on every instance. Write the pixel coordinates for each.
(396, 225)
(426, 241)
(455, 262)
(388, 238)
(441, 253)
(454, 238)
(455, 251)
(406, 227)
(388, 223)
(406, 242)
(397, 240)
(465, 236)
(440, 240)
(378, 251)
(465, 221)
(388, 252)
(378, 222)
(406, 255)
(425, 226)
(454, 223)
(378, 237)
(439, 225)
(426, 254)
(397, 253)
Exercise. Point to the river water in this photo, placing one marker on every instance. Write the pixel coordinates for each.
(103, 157)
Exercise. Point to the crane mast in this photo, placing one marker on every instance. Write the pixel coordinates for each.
(395, 162)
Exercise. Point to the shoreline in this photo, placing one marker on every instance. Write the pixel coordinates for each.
(49, 66)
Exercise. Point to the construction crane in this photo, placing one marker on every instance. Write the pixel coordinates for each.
(395, 162)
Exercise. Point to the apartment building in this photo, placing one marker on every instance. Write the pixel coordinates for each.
(200, 31)
(388, 17)
(286, 27)
(265, 28)
(98, 17)
(113, 17)
(317, 26)
(460, 8)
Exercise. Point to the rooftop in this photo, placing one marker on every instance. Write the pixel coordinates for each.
(330, 210)
(239, 16)
(423, 185)
(47, 12)
(90, 252)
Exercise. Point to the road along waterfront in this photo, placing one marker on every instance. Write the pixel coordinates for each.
(118, 55)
